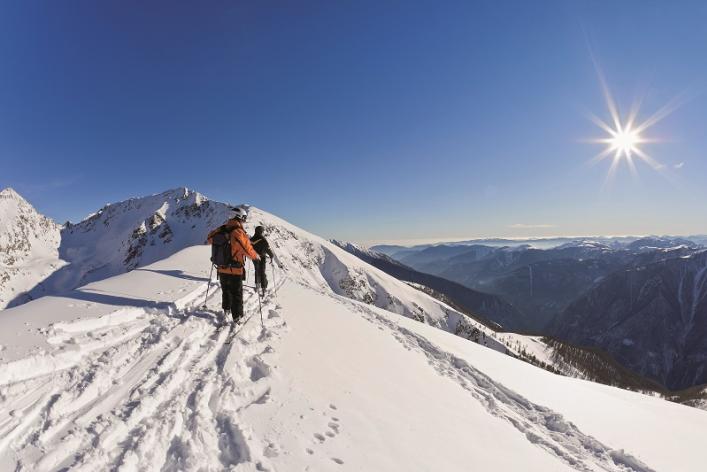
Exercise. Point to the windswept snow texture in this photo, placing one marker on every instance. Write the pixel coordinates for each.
(131, 373)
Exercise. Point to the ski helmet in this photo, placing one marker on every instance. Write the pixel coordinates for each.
(240, 214)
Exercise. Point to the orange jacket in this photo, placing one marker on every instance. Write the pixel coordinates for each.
(240, 247)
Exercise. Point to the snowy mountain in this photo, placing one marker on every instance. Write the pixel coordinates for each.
(28, 246)
(125, 235)
(130, 373)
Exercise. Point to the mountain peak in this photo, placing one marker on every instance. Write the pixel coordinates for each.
(11, 194)
(28, 246)
(176, 191)
(13, 204)
(179, 192)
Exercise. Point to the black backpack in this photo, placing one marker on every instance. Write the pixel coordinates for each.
(221, 254)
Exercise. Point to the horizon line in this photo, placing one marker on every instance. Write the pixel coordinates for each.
(422, 241)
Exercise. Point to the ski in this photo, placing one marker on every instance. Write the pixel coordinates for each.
(235, 328)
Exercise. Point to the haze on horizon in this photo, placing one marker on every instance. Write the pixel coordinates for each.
(365, 122)
(519, 239)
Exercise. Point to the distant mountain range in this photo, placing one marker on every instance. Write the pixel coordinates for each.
(536, 243)
(540, 283)
(642, 300)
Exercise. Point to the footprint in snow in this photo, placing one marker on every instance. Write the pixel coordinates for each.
(271, 450)
(263, 399)
(337, 460)
(258, 369)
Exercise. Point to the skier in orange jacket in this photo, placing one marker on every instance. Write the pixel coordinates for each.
(231, 271)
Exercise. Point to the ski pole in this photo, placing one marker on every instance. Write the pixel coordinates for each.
(208, 287)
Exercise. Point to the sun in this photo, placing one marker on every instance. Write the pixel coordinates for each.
(625, 137)
(625, 141)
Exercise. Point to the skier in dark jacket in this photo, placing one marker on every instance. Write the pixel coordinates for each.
(262, 247)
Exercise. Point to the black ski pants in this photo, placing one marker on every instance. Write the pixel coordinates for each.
(261, 279)
(232, 294)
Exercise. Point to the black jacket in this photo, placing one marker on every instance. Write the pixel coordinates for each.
(261, 245)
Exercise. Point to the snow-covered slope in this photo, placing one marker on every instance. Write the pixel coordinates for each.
(129, 373)
(28, 246)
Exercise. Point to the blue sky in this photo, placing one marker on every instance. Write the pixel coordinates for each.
(367, 121)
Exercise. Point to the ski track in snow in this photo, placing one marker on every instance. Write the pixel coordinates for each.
(163, 391)
(540, 425)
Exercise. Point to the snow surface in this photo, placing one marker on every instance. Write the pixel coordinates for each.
(130, 373)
